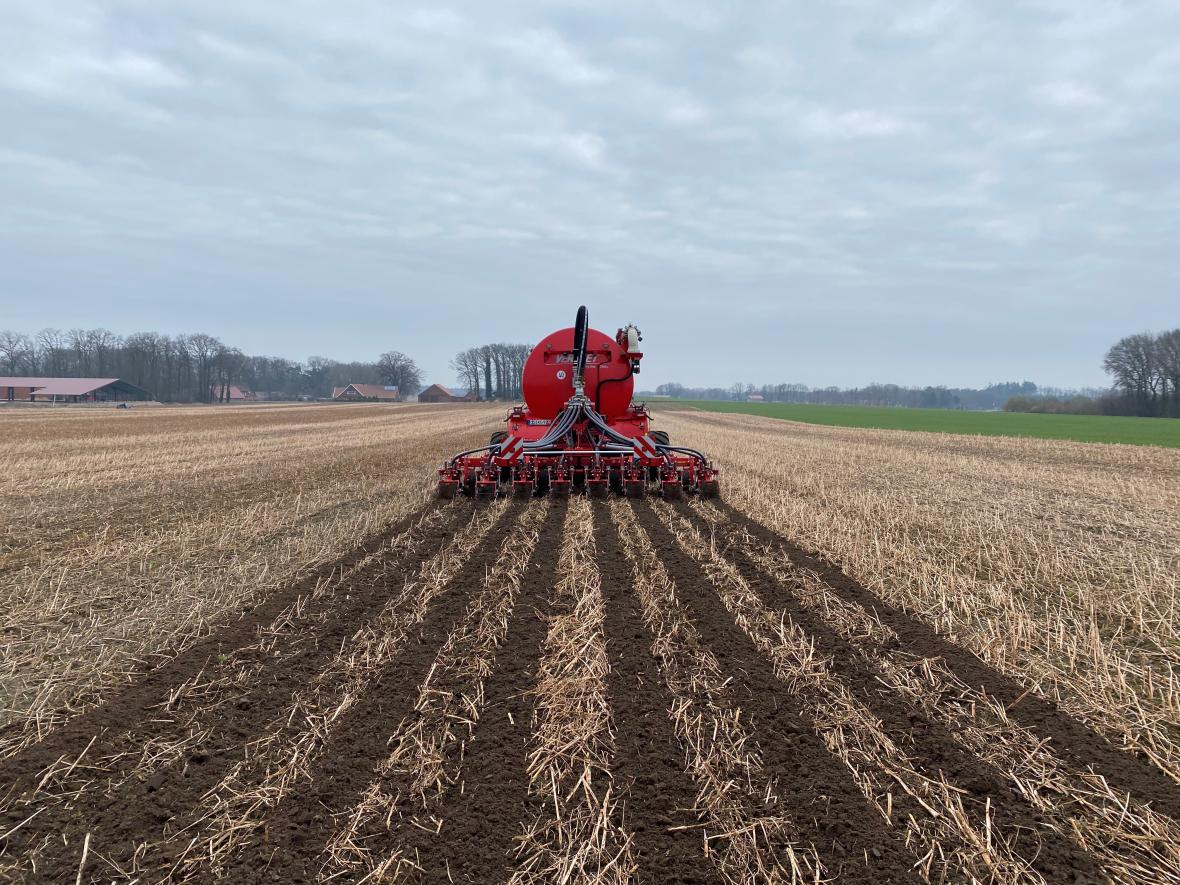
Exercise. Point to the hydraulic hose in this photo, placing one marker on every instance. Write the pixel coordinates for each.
(602, 384)
(581, 327)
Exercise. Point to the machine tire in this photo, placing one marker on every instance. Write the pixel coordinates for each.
(660, 436)
(498, 437)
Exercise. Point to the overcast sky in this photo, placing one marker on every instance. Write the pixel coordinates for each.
(829, 193)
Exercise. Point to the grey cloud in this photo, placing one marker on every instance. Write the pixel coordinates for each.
(919, 192)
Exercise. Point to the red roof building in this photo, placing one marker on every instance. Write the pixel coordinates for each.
(70, 390)
(387, 393)
(219, 393)
(436, 393)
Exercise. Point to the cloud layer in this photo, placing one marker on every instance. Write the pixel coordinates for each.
(834, 193)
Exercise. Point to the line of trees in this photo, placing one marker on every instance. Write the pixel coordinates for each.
(493, 371)
(993, 396)
(190, 368)
(1146, 373)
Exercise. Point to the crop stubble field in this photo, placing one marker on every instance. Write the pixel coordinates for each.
(245, 644)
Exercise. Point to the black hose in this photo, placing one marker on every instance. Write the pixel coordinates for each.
(581, 325)
(602, 384)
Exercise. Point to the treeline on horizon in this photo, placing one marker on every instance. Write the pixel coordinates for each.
(994, 396)
(191, 368)
(1145, 369)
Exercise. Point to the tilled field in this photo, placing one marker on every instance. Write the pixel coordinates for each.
(582, 691)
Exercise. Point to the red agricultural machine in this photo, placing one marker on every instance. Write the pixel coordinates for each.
(579, 430)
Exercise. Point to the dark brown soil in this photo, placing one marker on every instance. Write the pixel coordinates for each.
(815, 791)
(1054, 856)
(487, 810)
(649, 762)
(132, 717)
(1126, 771)
(470, 834)
(298, 829)
(125, 706)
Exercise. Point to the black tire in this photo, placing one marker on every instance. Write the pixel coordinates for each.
(499, 436)
(661, 436)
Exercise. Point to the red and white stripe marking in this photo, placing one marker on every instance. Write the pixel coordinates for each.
(645, 448)
(510, 450)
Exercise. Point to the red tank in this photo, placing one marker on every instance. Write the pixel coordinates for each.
(548, 381)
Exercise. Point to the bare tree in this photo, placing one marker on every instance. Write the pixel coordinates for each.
(466, 366)
(1168, 356)
(1132, 362)
(397, 368)
(52, 343)
(227, 366)
(203, 350)
(15, 351)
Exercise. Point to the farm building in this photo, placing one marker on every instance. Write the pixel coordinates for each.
(220, 393)
(387, 393)
(436, 393)
(70, 390)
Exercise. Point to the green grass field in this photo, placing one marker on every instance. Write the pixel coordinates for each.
(1081, 428)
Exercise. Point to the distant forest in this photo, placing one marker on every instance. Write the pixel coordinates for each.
(191, 368)
(1145, 369)
(994, 396)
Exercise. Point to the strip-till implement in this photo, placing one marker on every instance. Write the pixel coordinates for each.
(579, 430)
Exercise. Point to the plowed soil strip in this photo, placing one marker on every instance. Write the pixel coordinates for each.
(148, 833)
(914, 751)
(234, 812)
(154, 686)
(484, 813)
(648, 766)
(1126, 771)
(126, 819)
(576, 833)
(848, 831)
(1125, 837)
(296, 831)
(167, 757)
(751, 836)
